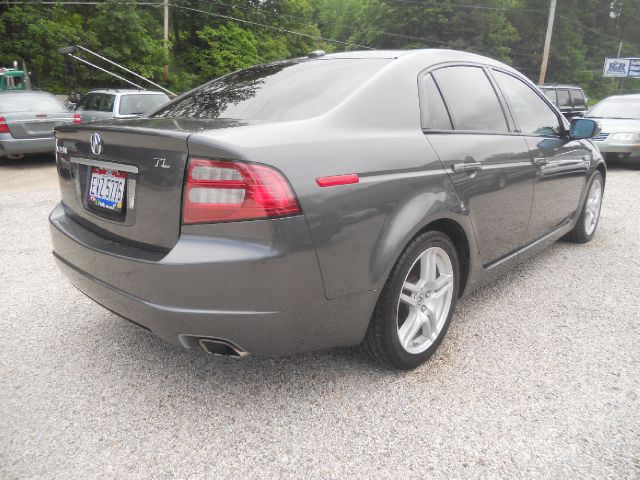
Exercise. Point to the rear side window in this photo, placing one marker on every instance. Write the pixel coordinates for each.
(288, 90)
(471, 99)
(533, 115)
(137, 104)
(96, 102)
(577, 97)
(433, 110)
(89, 102)
(105, 103)
(551, 95)
(563, 98)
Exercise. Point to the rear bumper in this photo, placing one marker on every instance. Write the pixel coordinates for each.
(265, 296)
(18, 146)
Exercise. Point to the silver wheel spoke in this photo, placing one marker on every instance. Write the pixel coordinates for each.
(409, 300)
(411, 287)
(428, 266)
(444, 284)
(410, 329)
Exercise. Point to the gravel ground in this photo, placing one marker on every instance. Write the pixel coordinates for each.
(539, 377)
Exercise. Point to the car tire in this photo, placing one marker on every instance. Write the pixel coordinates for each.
(422, 287)
(587, 224)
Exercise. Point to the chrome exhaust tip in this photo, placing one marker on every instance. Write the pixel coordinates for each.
(213, 346)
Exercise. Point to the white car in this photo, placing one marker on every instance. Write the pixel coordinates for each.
(120, 103)
(619, 120)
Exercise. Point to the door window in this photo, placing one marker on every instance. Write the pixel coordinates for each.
(433, 110)
(471, 99)
(531, 112)
(577, 96)
(89, 102)
(564, 101)
(106, 103)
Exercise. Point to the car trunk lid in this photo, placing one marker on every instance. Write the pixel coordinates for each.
(27, 125)
(141, 163)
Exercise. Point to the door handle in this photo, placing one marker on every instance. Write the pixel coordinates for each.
(467, 167)
(540, 161)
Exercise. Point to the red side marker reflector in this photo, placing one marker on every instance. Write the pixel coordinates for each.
(337, 180)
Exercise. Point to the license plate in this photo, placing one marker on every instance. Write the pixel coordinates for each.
(106, 189)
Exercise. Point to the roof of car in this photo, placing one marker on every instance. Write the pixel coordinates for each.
(427, 56)
(125, 91)
(559, 85)
(628, 96)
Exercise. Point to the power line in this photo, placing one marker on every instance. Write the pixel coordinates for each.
(576, 22)
(36, 3)
(256, 9)
(279, 29)
(474, 7)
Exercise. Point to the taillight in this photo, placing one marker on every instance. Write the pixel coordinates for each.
(4, 128)
(77, 118)
(219, 191)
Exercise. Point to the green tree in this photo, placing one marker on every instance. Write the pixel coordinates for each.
(229, 48)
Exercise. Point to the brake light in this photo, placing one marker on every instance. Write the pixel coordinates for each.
(77, 118)
(4, 128)
(219, 191)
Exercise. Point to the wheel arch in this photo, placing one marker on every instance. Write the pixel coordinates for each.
(458, 236)
(461, 237)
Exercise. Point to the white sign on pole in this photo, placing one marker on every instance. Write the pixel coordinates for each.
(616, 67)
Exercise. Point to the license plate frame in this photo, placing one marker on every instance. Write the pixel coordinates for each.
(107, 192)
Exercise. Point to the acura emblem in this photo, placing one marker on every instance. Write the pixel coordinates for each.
(96, 143)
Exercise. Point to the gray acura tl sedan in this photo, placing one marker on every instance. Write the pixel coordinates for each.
(337, 200)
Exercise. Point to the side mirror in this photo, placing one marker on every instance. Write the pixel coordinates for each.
(583, 128)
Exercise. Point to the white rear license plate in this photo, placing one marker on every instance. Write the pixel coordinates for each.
(106, 189)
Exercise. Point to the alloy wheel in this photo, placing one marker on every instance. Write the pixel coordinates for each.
(425, 300)
(592, 206)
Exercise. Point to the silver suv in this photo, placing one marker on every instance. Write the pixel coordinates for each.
(105, 104)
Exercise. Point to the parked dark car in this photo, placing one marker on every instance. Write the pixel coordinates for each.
(317, 202)
(27, 119)
(570, 99)
(117, 103)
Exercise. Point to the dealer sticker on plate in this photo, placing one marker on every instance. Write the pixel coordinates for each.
(106, 189)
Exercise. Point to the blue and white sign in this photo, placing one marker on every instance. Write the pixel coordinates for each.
(634, 67)
(616, 67)
(622, 67)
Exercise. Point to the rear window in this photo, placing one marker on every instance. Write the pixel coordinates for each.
(563, 98)
(27, 102)
(577, 97)
(551, 95)
(136, 104)
(283, 91)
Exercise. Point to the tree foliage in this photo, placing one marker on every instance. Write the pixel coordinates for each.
(209, 38)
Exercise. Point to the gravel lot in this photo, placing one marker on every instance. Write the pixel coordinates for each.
(539, 377)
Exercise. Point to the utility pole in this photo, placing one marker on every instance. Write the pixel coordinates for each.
(166, 40)
(547, 42)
